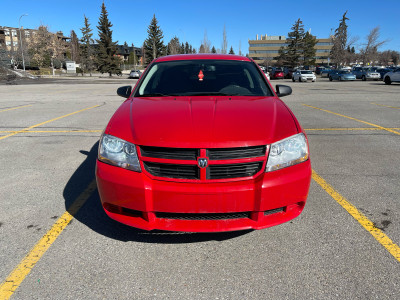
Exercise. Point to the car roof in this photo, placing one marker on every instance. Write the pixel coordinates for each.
(202, 56)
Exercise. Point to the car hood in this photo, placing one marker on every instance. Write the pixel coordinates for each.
(203, 122)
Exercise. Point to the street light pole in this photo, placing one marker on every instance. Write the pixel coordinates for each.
(20, 38)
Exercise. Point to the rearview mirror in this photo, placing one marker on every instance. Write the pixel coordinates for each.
(124, 91)
(283, 90)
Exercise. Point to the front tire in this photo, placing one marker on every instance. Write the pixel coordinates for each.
(330, 78)
(388, 80)
(363, 78)
(300, 79)
(340, 78)
(293, 80)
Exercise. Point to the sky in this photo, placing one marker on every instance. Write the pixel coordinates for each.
(190, 19)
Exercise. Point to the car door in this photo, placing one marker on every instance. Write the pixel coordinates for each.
(396, 75)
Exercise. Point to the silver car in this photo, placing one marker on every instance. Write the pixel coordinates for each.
(366, 73)
(135, 74)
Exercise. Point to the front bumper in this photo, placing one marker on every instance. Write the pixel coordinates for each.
(136, 200)
(308, 78)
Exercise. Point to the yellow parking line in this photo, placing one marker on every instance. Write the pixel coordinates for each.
(40, 124)
(378, 234)
(15, 108)
(386, 105)
(12, 282)
(351, 118)
(345, 129)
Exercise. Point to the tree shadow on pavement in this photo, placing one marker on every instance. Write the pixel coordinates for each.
(92, 214)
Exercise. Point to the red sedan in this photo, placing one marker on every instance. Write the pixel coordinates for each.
(277, 74)
(203, 144)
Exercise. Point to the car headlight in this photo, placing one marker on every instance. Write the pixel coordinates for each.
(287, 152)
(117, 152)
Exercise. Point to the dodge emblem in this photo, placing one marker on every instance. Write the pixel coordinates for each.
(202, 162)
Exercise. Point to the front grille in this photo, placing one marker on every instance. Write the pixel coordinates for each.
(163, 162)
(234, 171)
(209, 216)
(172, 171)
(235, 153)
(169, 153)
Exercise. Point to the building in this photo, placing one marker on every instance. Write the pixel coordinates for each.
(265, 49)
(10, 37)
(124, 51)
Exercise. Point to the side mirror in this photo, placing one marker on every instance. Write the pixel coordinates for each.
(283, 90)
(124, 91)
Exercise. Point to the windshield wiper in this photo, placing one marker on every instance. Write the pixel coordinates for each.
(211, 94)
(156, 95)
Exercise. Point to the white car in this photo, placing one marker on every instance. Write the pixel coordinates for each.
(303, 75)
(267, 75)
(393, 76)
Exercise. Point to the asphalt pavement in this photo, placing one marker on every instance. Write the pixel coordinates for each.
(345, 244)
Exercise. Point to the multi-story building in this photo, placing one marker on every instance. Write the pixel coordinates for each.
(265, 49)
(10, 37)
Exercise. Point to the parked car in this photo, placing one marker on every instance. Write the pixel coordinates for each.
(203, 144)
(326, 72)
(341, 75)
(366, 73)
(318, 70)
(267, 74)
(288, 73)
(393, 76)
(135, 74)
(382, 71)
(277, 73)
(304, 75)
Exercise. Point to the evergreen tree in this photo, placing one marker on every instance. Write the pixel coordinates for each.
(231, 51)
(187, 49)
(282, 59)
(338, 51)
(132, 58)
(296, 44)
(213, 50)
(309, 51)
(86, 49)
(154, 44)
(182, 50)
(106, 59)
(174, 46)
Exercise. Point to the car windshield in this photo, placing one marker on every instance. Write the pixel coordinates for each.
(202, 78)
(306, 72)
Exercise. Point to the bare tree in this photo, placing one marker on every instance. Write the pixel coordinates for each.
(205, 44)
(224, 49)
(369, 53)
(57, 49)
(39, 46)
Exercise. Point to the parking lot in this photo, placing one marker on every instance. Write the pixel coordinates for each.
(57, 243)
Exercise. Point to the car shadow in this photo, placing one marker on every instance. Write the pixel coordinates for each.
(93, 216)
(382, 83)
